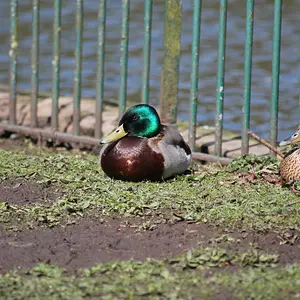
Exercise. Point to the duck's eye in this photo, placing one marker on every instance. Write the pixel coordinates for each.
(135, 118)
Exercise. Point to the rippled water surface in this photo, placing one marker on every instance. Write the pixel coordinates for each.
(262, 54)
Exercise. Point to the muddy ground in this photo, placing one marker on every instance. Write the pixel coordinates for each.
(113, 239)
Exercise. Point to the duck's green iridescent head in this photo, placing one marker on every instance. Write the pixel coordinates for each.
(140, 120)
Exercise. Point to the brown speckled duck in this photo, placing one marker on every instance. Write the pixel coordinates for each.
(141, 148)
(290, 165)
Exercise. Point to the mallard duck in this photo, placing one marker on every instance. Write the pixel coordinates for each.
(290, 165)
(142, 148)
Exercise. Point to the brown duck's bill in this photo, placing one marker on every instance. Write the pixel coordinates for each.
(294, 139)
(117, 134)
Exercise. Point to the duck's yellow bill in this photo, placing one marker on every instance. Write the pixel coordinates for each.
(115, 135)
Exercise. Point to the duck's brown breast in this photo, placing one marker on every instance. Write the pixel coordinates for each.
(132, 159)
(290, 166)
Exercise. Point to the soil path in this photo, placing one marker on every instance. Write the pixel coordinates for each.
(91, 242)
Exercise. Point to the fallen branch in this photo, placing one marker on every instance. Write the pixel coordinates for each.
(265, 143)
(291, 203)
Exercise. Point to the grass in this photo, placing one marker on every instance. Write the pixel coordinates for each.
(151, 280)
(215, 195)
(184, 277)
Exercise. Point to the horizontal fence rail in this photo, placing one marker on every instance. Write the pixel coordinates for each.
(169, 75)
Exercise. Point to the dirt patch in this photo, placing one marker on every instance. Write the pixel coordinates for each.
(91, 242)
(11, 144)
(286, 244)
(253, 178)
(31, 145)
(21, 191)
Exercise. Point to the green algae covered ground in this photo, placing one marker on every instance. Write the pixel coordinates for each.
(244, 197)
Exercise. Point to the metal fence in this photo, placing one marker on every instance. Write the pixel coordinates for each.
(169, 76)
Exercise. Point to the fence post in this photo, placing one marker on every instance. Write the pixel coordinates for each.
(147, 50)
(35, 61)
(100, 68)
(170, 71)
(247, 74)
(56, 63)
(78, 66)
(124, 55)
(13, 54)
(195, 72)
(275, 73)
(221, 77)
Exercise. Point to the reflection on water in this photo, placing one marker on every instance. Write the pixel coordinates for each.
(262, 54)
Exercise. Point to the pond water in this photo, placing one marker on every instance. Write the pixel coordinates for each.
(262, 56)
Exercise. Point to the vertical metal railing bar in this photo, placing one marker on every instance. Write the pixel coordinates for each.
(124, 55)
(275, 72)
(100, 67)
(13, 54)
(35, 60)
(221, 77)
(56, 63)
(195, 72)
(247, 75)
(171, 59)
(78, 67)
(147, 50)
